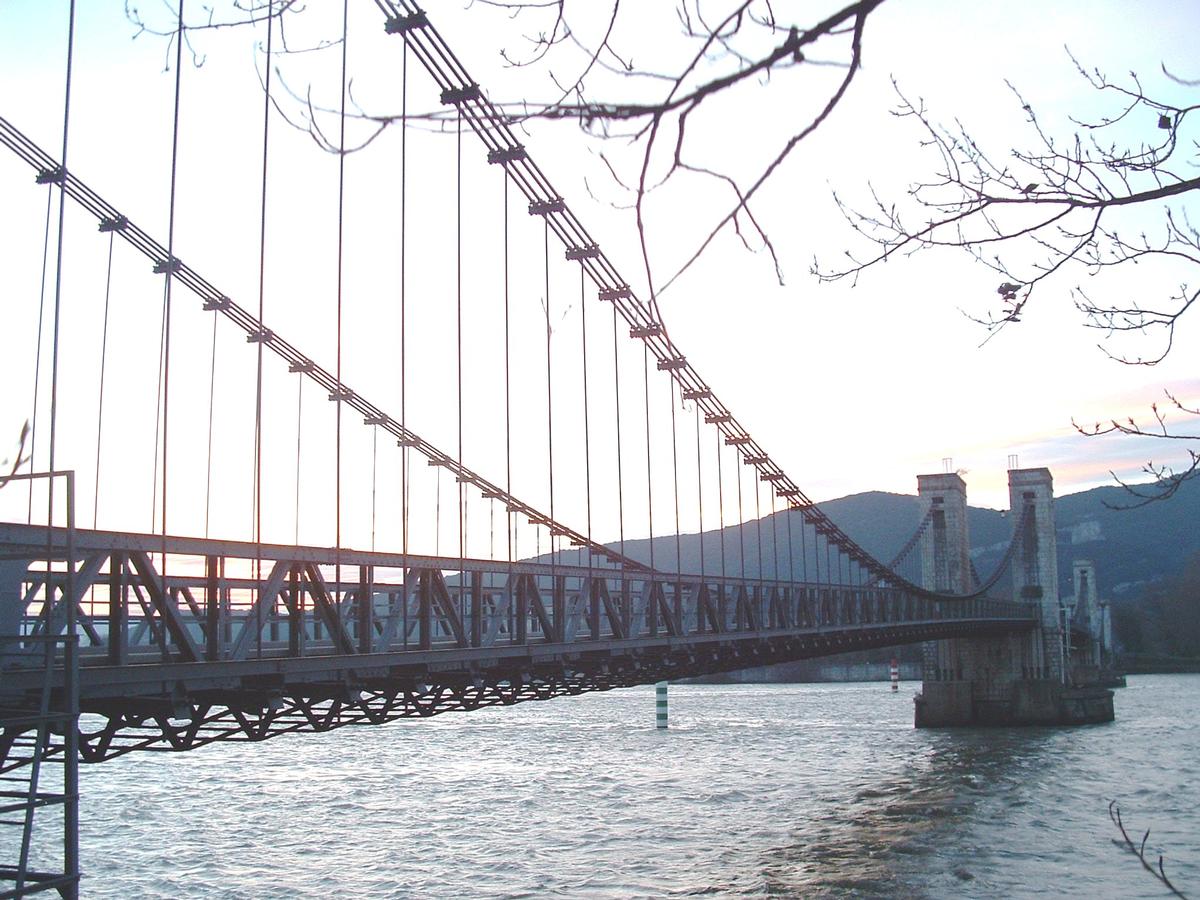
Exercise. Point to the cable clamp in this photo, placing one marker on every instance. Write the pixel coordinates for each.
(260, 337)
(304, 365)
(668, 365)
(546, 207)
(163, 266)
(591, 251)
(341, 393)
(645, 331)
(375, 420)
(455, 96)
(788, 492)
(616, 293)
(721, 419)
(405, 24)
(697, 394)
(771, 476)
(489, 494)
(408, 442)
(120, 223)
(755, 460)
(217, 303)
(506, 155)
(57, 175)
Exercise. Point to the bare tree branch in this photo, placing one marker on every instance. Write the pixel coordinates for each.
(1139, 850)
(1115, 195)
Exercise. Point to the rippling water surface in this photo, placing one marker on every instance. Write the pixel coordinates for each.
(792, 790)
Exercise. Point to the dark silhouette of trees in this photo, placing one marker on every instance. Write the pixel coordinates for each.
(1165, 620)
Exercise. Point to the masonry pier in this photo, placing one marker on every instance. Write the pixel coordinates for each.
(1016, 678)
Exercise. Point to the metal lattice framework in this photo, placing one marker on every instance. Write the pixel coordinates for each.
(212, 652)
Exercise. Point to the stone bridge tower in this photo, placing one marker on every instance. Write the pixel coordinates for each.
(945, 563)
(1087, 609)
(966, 681)
(1008, 679)
(1035, 565)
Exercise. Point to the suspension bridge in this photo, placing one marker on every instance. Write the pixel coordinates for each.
(548, 455)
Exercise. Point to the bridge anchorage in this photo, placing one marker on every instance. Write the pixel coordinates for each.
(1051, 674)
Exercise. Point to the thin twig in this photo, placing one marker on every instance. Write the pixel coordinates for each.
(1114, 813)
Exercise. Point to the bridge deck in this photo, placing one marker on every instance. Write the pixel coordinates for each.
(239, 640)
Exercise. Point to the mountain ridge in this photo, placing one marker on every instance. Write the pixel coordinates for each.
(1132, 549)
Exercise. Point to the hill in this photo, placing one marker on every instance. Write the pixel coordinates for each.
(1147, 561)
(1132, 548)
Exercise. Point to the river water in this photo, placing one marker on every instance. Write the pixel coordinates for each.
(792, 790)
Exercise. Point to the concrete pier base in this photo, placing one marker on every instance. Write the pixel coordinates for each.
(1026, 701)
(1097, 676)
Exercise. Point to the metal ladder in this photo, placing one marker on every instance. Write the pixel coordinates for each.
(26, 742)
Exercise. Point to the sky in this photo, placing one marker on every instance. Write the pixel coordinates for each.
(849, 388)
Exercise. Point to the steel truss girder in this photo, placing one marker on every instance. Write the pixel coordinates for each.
(163, 724)
(244, 642)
